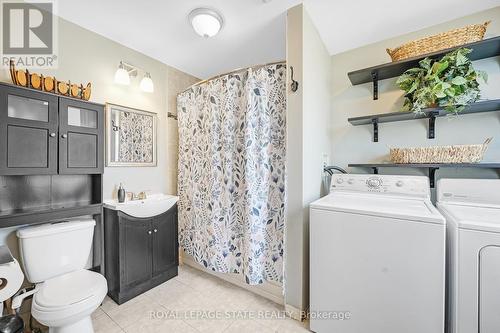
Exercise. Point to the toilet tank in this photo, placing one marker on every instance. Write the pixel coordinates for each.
(52, 249)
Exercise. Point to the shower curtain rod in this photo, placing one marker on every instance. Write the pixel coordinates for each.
(232, 72)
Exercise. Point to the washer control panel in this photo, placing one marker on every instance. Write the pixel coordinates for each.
(405, 185)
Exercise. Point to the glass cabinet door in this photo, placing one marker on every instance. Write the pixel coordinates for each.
(81, 117)
(27, 108)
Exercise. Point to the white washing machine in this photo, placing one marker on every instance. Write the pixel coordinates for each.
(472, 210)
(377, 257)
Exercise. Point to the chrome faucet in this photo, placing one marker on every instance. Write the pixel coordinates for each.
(139, 196)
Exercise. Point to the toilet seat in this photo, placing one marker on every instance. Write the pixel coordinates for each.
(62, 299)
(70, 288)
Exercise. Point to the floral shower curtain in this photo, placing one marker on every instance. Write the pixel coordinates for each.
(232, 173)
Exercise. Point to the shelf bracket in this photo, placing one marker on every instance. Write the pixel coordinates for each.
(375, 130)
(375, 170)
(432, 177)
(375, 85)
(432, 125)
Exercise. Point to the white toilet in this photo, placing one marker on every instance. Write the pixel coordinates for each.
(54, 256)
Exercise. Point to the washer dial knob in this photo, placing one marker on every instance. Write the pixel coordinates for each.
(374, 182)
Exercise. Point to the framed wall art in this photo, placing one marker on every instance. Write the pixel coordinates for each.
(130, 137)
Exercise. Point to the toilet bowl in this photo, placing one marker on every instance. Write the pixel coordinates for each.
(54, 257)
(66, 302)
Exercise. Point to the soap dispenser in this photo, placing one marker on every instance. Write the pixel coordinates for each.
(121, 193)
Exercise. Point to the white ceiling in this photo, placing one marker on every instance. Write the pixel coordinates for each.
(254, 31)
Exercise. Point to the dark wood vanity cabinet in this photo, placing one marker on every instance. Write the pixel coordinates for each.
(140, 253)
(43, 133)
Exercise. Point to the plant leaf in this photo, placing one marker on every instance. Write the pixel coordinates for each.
(461, 59)
(440, 94)
(438, 67)
(425, 63)
(450, 92)
(459, 80)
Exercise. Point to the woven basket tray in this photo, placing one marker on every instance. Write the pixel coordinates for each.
(442, 41)
(440, 154)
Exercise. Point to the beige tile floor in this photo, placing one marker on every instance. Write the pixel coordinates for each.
(189, 303)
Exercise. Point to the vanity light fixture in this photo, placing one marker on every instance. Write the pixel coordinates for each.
(126, 70)
(206, 22)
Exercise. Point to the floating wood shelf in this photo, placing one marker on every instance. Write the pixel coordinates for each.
(480, 50)
(432, 167)
(431, 114)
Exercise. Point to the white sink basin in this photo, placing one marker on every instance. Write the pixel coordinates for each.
(155, 204)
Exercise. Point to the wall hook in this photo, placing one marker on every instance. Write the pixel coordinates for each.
(295, 84)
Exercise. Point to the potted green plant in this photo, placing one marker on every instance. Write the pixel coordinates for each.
(451, 83)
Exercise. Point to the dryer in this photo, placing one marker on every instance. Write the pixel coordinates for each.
(377, 257)
(472, 210)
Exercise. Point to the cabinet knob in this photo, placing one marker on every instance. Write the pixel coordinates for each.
(52, 135)
(149, 232)
(64, 136)
(156, 230)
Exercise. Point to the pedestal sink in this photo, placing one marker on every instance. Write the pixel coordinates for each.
(155, 204)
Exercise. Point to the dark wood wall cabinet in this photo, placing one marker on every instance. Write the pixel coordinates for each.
(42, 133)
(51, 160)
(140, 253)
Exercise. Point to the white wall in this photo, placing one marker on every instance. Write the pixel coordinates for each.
(354, 144)
(308, 143)
(294, 230)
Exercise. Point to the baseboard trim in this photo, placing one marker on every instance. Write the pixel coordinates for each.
(294, 313)
(272, 292)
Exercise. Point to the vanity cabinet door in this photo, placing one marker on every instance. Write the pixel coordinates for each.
(81, 137)
(28, 132)
(165, 248)
(135, 250)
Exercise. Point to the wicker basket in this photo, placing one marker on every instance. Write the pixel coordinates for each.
(440, 154)
(442, 41)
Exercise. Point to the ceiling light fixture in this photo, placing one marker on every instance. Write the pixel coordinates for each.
(147, 84)
(125, 71)
(206, 22)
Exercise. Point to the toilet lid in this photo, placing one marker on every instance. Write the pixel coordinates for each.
(70, 288)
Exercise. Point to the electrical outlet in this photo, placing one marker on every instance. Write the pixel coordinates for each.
(326, 159)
